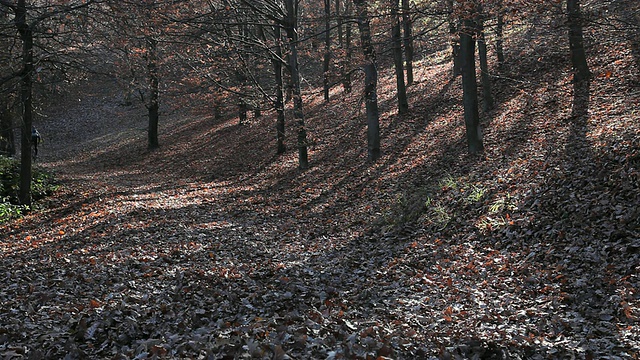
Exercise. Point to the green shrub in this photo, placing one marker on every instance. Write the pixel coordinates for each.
(42, 185)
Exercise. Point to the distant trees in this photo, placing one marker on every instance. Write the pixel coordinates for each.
(251, 51)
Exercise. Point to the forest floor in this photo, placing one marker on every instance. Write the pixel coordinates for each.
(214, 247)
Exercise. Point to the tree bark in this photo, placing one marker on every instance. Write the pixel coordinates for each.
(370, 82)
(396, 38)
(291, 23)
(339, 24)
(469, 88)
(408, 40)
(7, 142)
(500, 36)
(576, 43)
(327, 48)
(346, 71)
(153, 106)
(279, 100)
(487, 96)
(26, 95)
(454, 39)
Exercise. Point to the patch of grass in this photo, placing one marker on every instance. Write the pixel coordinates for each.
(505, 203)
(437, 214)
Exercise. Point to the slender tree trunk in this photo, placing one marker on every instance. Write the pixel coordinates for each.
(242, 111)
(153, 106)
(487, 97)
(279, 100)
(396, 38)
(346, 70)
(339, 24)
(576, 43)
(370, 82)
(26, 95)
(499, 35)
(7, 142)
(470, 88)
(454, 39)
(327, 48)
(298, 114)
(408, 39)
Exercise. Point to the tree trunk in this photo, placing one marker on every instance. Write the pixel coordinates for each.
(346, 70)
(7, 142)
(396, 38)
(454, 39)
(298, 114)
(153, 106)
(339, 24)
(327, 48)
(576, 43)
(499, 36)
(487, 97)
(469, 88)
(408, 40)
(26, 95)
(242, 111)
(370, 82)
(279, 100)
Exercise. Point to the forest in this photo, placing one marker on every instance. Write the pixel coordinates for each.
(328, 179)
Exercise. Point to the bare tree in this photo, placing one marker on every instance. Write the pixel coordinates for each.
(370, 81)
(469, 85)
(396, 38)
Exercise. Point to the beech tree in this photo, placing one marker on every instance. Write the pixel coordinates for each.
(500, 14)
(469, 85)
(396, 38)
(576, 43)
(291, 28)
(407, 25)
(487, 96)
(454, 38)
(370, 81)
(327, 49)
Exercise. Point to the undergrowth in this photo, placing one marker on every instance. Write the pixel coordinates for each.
(42, 184)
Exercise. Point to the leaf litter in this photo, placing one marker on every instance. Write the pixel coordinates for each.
(219, 250)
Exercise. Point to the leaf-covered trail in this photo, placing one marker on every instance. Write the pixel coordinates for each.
(211, 247)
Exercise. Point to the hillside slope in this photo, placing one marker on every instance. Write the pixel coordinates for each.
(214, 247)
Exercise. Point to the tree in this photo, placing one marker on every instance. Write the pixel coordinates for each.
(25, 31)
(499, 33)
(35, 24)
(7, 143)
(487, 96)
(454, 39)
(581, 71)
(291, 28)
(153, 105)
(327, 48)
(469, 86)
(370, 81)
(396, 38)
(346, 45)
(408, 39)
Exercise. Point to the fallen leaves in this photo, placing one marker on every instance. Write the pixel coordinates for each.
(532, 252)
